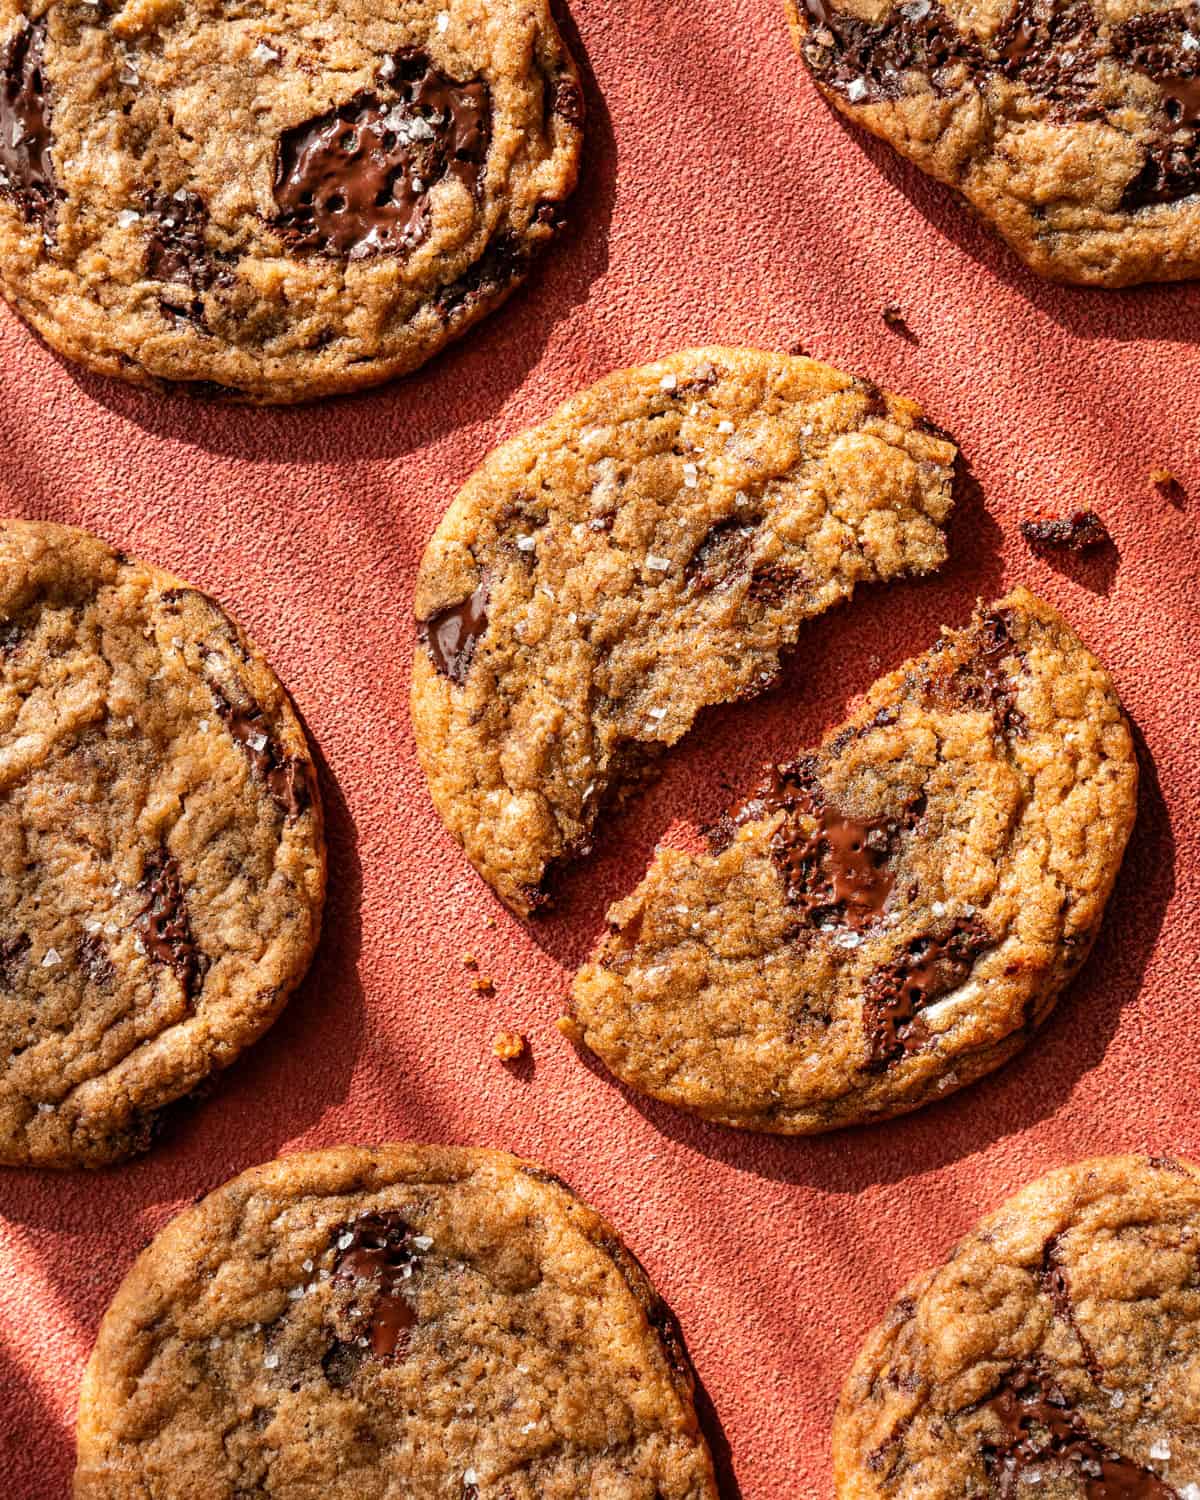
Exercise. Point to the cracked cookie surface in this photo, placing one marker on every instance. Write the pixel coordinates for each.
(888, 918)
(437, 1323)
(282, 201)
(648, 552)
(162, 861)
(1073, 128)
(1054, 1354)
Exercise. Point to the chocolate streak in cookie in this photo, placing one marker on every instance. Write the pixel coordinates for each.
(26, 166)
(1039, 1426)
(283, 776)
(162, 923)
(356, 181)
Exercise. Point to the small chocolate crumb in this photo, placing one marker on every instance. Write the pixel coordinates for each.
(1078, 531)
(508, 1045)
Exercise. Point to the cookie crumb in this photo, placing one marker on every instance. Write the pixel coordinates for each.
(1078, 531)
(1168, 486)
(798, 351)
(469, 961)
(571, 1029)
(508, 1045)
(893, 315)
(483, 985)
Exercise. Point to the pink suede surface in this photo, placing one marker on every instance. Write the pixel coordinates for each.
(722, 200)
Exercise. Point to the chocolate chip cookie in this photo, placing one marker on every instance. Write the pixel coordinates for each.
(1054, 1354)
(647, 552)
(407, 1321)
(1071, 127)
(162, 865)
(888, 918)
(276, 202)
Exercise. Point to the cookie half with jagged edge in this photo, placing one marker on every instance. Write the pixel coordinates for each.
(1053, 1355)
(162, 856)
(888, 918)
(418, 1321)
(281, 201)
(649, 551)
(1072, 128)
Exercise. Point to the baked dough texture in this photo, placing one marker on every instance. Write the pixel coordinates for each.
(646, 553)
(425, 1322)
(891, 916)
(162, 859)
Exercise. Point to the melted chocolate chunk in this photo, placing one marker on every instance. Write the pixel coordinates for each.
(356, 181)
(1052, 48)
(721, 555)
(284, 777)
(840, 871)
(896, 994)
(1154, 44)
(93, 959)
(1078, 531)
(377, 1248)
(866, 61)
(26, 164)
(163, 926)
(12, 951)
(1039, 1425)
(452, 635)
(177, 253)
(11, 635)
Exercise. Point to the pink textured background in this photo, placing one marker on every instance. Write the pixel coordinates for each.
(721, 201)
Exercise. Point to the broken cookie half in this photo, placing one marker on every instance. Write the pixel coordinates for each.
(648, 552)
(889, 917)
